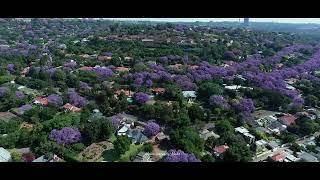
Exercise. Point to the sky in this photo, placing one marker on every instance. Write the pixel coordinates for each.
(280, 20)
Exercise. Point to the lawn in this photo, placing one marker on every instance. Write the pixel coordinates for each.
(112, 156)
(112, 138)
(133, 151)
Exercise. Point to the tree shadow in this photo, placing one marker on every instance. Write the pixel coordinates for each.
(110, 155)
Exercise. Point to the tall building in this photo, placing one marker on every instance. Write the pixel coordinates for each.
(246, 22)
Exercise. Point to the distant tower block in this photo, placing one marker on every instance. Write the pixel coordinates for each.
(246, 22)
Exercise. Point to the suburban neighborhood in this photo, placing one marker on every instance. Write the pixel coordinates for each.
(107, 91)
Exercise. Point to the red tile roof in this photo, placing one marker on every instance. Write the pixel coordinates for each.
(158, 90)
(220, 149)
(277, 157)
(41, 100)
(72, 108)
(126, 92)
(289, 119)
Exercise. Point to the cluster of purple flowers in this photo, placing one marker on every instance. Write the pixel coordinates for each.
(141, 97)
(151, 129)
(10, 68)
(3, 91)
(55, 100)
(70, 65)
(115, 121)
(245, 105)
(179, 156)
(219, 101)
(84, 86)
(19, 95)
(66, 135)
(25, 108)
(103, 72)
(77, 100)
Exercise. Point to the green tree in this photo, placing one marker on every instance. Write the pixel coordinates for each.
(209, 88)
(223, 126)
(188, 140)
(196, 112)
(97, 130)
(238, 152)
(311, 100)
(122, 144)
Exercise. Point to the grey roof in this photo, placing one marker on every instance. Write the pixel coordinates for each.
(137, 136)
(308, 157)
(273, 144)
(41, 159)
(275, 125)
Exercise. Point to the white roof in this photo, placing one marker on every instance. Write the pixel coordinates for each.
(123, 129)
(189, 94)
(261, 142)
(235, 87)
(5, 155)
(241, 130)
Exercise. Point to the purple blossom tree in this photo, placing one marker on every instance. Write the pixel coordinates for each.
(149, 83)
(103, 72)
(141, 97)
(3, 91)
(219, 101)
(25, 108)
(179, 156)
(19, 95)
(65, 136)
(151, 129)
(77, 100)
(84, 86)
(10, 68)
(55, 100)
(245, 105)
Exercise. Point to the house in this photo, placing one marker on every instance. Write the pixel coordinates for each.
(86, 68)
(158, 90)
(41, 100)
(190, 95)
(95, 115)
(5, 155)
(122, 69)
(104, 58)
(219, 150)
(261, 146)
(277, 158)
(143, 157)
(236, 87)
(288, 120)
(307, 157)
(123, 130)
(176, 66)
(136, 136)
(71, 108)
(25, 71)
(7, 116)
(161, 137)
(276, 127)
(273, 145)
(260, 114)
(126, 92)
(147, 40)
(245, 133)
(205, 134)
(48, 158)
